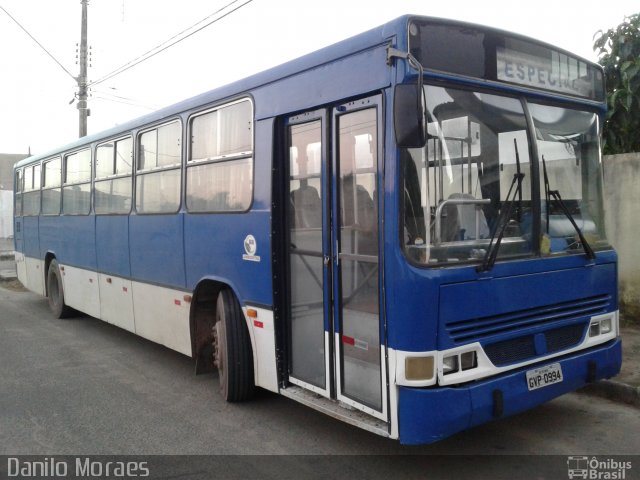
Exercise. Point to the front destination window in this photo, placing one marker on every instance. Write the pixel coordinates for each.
(467, 193)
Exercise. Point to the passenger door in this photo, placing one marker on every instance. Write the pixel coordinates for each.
(336, 337)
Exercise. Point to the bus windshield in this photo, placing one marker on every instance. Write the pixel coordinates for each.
(569, 151)
(474, 178)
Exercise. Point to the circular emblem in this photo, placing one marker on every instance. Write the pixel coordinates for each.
(250, 245)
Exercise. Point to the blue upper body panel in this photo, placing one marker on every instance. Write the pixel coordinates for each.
(112, 245)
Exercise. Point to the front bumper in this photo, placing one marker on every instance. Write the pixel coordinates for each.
(426, 415)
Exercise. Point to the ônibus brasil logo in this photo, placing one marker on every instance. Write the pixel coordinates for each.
(595, 468)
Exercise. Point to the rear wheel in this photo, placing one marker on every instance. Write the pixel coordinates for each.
(55, 292)
(232, 354)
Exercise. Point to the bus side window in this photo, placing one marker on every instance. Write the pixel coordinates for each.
(18, 193)
(220, 167)
(114, 162)
(51, 190)
(76, 192)
(159, 169)
(31, 191)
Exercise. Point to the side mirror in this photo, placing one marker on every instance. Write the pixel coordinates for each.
(409, 116)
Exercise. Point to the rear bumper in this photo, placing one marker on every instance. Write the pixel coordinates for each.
(426, 415)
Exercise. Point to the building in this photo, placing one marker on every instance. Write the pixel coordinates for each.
(7, 160)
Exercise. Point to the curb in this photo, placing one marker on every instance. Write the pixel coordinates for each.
(616, 391)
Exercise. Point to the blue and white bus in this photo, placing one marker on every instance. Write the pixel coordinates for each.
(404, 230)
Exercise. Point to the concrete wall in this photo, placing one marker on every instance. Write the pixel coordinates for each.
(622, 207)
(6, 213)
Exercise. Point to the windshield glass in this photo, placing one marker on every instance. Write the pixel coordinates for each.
(462, 188)
(456, 187)
(569, 150)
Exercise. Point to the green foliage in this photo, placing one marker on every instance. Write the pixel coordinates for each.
(619, 53)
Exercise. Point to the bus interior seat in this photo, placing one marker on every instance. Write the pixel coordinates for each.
(306, 207)
(363, 213)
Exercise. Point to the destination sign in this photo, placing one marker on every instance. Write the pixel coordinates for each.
(480, 52)
(553, 71)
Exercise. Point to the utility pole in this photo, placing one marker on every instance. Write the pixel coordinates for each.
(83, 111)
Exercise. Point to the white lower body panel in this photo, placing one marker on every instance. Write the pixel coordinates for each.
(81, 289)
(21, 268)
(162, 316)
(116, 301)
(31, 273)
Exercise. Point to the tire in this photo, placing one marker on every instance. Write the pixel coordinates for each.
(55, 292)
(232, 350)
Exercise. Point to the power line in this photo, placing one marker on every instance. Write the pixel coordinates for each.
(125, 102)
(39, 44)
(104, 95)
(172, 41)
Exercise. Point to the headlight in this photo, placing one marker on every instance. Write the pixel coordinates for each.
(419, 368)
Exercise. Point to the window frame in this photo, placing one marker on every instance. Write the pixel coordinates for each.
(114, 176)
(88, 181)
(18, 190)
(46, 188)
(139, 173)
(221, 159)
(33, 189)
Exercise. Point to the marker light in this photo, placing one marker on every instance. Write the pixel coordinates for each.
(419, 368)
(459, 362)
(602, 325)
(450, 364)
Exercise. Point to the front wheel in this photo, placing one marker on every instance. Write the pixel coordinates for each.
(55, 292)
(232, 349)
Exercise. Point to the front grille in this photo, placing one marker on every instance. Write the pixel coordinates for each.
(482, 328)
(563, 338)
(524, 348)
(511, 351)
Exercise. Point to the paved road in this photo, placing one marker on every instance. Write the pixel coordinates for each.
(83, 387)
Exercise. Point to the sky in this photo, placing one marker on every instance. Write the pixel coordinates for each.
(35, 92)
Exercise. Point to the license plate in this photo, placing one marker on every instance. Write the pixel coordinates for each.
(541, 377)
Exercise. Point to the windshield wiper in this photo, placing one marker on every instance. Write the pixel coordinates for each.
(490, 257)
(585, 245)
(501, 226)
(548, 194)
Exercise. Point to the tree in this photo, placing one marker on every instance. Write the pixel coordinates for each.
(619, 53)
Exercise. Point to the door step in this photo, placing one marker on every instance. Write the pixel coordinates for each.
(336, 410)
